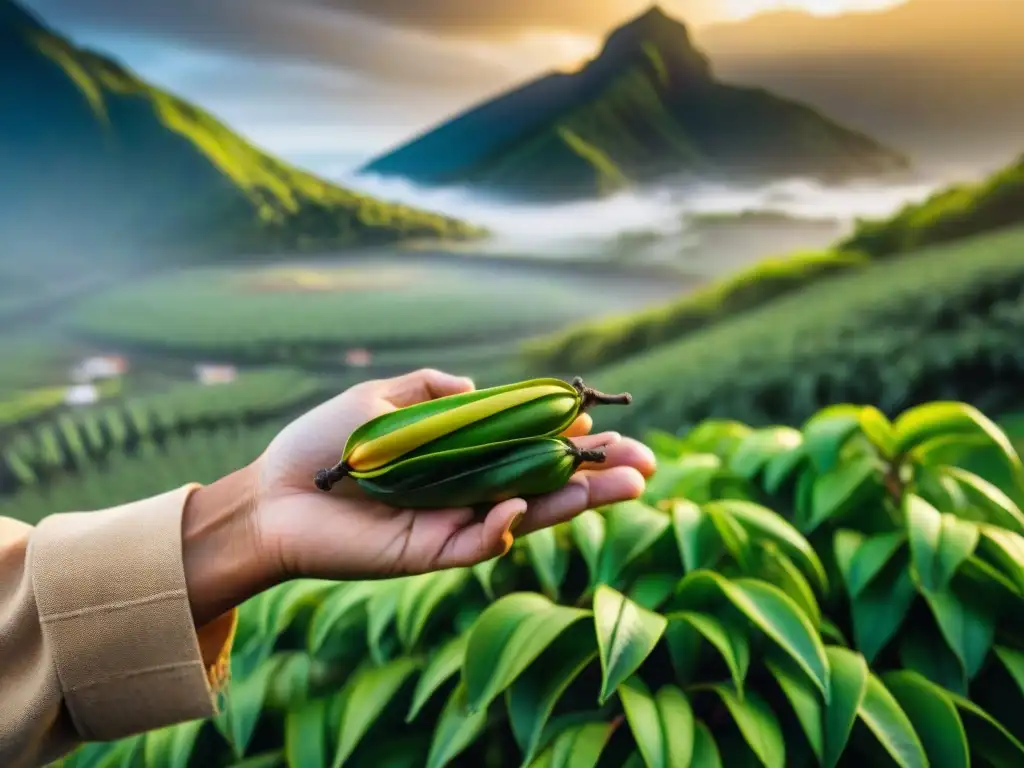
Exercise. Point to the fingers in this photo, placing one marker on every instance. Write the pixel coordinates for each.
(588, 489)
(619, 452)
(582, 426)
(492, 537)
(424, 384)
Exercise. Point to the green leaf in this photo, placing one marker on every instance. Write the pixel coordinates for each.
(968, 629)
(775, 568)
(987, 499)
(587, 531)
(245, 704)
(506, 638)
(365, 697)
(879, 610)
(626, 635)
(380, 613)
(265, 760)
(652, 589)
(934, 717)
(880, 712)
(931, 657)
(484, 573)
(457, 728)
(698, 540)
(550, 562)
(1005, 551)
(632, 528)
(939, 543)
(420, 597)
(578, 746)
(925, 422)
(849, 677)
(305, 735)
(705, 751)
(1014, 663)
(771, 610)
(275, 609)
(879, 431)
(763, 523)
(662, 724)
(987, 736)
(445, 662)
(827, 432)
(860, 559)
(780, 468)
(344, 603)
(533, 696)
(728, 639)
(804, 700)
(839, 490)
(757, 449)
(758, 725)
(731, 534)
(172, 747)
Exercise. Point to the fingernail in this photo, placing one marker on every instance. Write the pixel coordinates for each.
(514, 523)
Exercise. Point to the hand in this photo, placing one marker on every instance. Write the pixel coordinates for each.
(298, 530)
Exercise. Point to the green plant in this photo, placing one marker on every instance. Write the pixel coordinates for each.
(837, 594)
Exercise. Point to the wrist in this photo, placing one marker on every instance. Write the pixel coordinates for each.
(220, 546)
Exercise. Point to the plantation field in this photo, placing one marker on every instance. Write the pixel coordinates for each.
(943, 323)
(314, 313)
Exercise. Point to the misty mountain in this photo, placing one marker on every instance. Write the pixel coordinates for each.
(941, 79)
(96, 160)
(647, 107)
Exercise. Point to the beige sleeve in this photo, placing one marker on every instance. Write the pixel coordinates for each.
(97, 640)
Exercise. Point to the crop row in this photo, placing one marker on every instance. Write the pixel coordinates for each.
(74, 441)
(943, 324)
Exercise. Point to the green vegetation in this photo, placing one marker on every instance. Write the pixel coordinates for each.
(31, 404)
(314, 315)
(943, 323)
(948, 216)
(77, 440)
(151, 468)
(647, 107)
(152, 170)
(841, 594)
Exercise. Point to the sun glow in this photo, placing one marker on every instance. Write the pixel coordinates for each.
(743, 8)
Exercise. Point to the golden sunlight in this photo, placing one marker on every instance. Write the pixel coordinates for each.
(743, 8)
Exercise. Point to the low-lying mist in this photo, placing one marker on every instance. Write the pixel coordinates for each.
(604, 227)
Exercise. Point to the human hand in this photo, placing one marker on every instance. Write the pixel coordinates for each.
(297, 530)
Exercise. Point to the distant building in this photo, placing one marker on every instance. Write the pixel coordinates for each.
(81, 394)
(358, 358)
(100, 367)
(215, 374)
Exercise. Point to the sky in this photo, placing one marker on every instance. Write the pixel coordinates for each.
(330, 83)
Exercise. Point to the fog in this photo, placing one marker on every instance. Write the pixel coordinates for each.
(580, 228)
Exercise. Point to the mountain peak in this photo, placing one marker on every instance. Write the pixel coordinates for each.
(655, 31)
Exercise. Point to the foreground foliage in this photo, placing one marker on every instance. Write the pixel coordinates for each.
(842, 594)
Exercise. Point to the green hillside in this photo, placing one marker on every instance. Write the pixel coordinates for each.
(648, 106)
(954, 213)
(95, 157)
(942, 323)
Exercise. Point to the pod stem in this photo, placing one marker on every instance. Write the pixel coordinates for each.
(596, 455)
(326, 478)
(591, 397)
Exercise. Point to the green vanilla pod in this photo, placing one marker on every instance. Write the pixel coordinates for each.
(532, 408)
(479, 475)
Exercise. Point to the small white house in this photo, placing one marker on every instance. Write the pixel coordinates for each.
(358, 358)
(81, 394)
(215, 374)
(99, 367)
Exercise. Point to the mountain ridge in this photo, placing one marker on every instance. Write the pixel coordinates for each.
(648, 104)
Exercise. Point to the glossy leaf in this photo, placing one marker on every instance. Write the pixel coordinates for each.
(805, 701)
(880, 609)
(339, 606)
(172, 747)
(849, 677)
(771, 610)
(632, 527)
(757, 449)
(838, 490)
(1014, 663)
(420, 597)
(445, 662)
(987, 736)
(457, 728)
(380, 613)
(533, 696)
(662, 724)
(934, 716)
(939, 543)
(484, 572)
(967, 627)
(588, 532)
(245, 704)
(626, 635)
(992, 504)
(579, 746)
(506, 638)
(782, 467)
(305, 735)
(652, 589)
(773, 566)
(550, 562)
(758, 725)
(923, 650)
(881, 713)
(696, 535)
(729, 640)
(1004, 550)
(365, 697)
(705, 750)
(861, 558)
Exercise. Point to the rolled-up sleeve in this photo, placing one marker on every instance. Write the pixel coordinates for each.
(97, 640)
